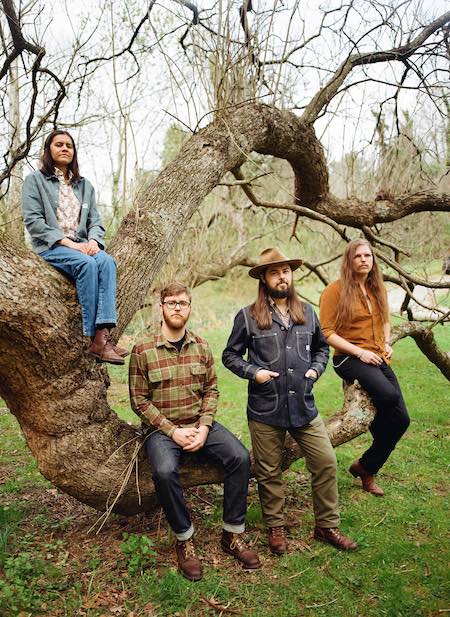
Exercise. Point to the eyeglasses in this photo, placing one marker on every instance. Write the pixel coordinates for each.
(183, 304)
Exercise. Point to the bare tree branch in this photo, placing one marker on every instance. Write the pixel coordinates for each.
(358, 213)
(20, 44)
(398, 54)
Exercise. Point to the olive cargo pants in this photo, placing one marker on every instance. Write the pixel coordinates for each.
(268, 443)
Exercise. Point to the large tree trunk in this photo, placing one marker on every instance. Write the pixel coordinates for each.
(55, 391)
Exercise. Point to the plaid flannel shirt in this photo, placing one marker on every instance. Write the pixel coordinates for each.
(170, 389)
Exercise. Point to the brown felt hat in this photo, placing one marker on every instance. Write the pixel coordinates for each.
(270, 257)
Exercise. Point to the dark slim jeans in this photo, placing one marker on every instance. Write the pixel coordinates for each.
(391, 419)
(221, 447)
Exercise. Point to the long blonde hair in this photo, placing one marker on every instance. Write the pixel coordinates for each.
(350, 289)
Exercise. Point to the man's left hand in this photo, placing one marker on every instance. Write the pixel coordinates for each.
(312, 374)
(199, 439)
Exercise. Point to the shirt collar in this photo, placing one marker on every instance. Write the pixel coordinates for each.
(60, 175)
(161, 340)
(285, 319)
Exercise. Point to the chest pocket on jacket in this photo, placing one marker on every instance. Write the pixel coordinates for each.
(303, 345)
(267, 347)
(160, 374)
(198, 372)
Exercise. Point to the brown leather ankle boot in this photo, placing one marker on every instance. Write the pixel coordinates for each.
(277, 540)
(368, 483)
(102, 348)
(188, 563)
(233, 544)
(335, 537)
(121, 351)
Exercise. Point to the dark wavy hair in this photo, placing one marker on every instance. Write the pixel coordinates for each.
(47, 164)
(260, 309)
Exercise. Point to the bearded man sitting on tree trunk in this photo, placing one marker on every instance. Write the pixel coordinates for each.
(173, 388)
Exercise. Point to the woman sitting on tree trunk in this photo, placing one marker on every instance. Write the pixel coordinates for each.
(66, 230)
(354, 316)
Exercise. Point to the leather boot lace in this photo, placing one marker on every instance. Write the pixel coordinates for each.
(278, 532)
(188, 549)
(237, 543)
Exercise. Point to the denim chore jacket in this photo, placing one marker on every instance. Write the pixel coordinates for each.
(40, 198)
(287, 400)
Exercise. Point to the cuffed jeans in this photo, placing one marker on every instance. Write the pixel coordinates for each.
(391, 420)
(313, 439)
(221, 447)
(95, 280)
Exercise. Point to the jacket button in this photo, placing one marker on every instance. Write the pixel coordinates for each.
(291, 391)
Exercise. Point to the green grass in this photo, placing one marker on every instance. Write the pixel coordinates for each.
(48, 565)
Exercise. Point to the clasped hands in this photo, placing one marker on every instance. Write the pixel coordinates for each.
(88, 248)
(191, 438)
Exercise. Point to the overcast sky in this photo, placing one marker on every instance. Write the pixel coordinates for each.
(151, 103)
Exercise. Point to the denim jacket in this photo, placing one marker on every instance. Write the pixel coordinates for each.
(286, 401)
(40, 198)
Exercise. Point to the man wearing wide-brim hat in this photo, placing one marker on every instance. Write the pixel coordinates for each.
(286, 354)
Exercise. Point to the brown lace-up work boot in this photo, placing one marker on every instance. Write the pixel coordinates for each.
(233, 544)
(188, 563)
(102, 348)
(277, 540)
(335, 537)
(368, 482)
(121, 351)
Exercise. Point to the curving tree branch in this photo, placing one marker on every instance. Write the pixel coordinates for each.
(426, 342)
(20, 44)
(396, 54)
(58, 393)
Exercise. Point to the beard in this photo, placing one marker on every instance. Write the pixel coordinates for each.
(275, 292)
(279, 293)
(176, 321)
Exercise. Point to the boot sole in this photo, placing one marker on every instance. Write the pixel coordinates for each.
(279, 553)
(101, 360)
(190, 578)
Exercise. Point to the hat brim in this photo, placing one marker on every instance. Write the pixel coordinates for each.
(256, 271)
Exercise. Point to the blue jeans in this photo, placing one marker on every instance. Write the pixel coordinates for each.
(221, 447)
(391, 419)
(95, 280)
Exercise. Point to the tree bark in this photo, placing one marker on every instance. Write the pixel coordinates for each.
(57, 393)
